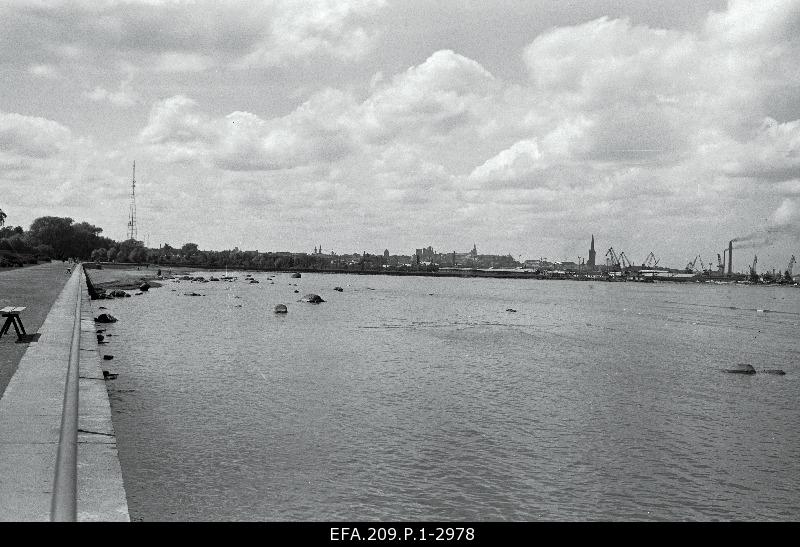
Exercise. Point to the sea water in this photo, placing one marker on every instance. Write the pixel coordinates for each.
(423, 398)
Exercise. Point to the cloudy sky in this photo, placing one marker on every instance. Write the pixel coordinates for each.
(522, 126)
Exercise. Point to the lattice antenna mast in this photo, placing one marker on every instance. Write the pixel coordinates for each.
(132, 219)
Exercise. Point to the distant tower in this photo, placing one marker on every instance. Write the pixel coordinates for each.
(592, 253)
(474, 251)
(132, 219)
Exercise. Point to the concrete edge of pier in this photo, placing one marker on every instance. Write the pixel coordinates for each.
(30, 421)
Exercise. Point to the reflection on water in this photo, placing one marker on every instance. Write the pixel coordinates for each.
(423, 398)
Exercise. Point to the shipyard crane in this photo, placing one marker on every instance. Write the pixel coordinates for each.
(690, 265)
(615, 266)
(624, 263)
(651, 261)
(753, 272)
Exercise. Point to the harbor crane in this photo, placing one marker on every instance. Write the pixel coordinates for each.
(615, 265)
(651, 261)
(690, 265)
(624, 263)
(753, 272)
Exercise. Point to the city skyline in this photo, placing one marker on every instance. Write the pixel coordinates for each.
(522, 126)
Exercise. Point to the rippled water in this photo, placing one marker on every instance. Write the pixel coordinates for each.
(423, 398)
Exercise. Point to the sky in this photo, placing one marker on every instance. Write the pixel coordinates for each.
(523, 127)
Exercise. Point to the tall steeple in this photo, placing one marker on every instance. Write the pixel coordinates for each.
(592, 254)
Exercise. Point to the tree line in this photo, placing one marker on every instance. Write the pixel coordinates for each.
(62, 238)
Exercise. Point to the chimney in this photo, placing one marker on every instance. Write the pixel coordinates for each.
(730, 258)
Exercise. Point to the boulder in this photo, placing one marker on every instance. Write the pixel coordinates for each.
(281, 308)
(105, 318)
(100, 337)
(338, 289)
(296, 291)
(743, 369)
(296, 275)
(109, 376)
(118, 293)
(312, 298)
(512, 310)
(108, 357)
(253, 281)
(144, 287)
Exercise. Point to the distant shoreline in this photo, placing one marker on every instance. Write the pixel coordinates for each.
(148, 272)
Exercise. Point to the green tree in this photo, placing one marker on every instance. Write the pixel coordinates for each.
(189, 249)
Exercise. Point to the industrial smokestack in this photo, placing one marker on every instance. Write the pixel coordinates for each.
(730, 258)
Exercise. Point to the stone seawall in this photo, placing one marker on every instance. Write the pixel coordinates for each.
(30, 421)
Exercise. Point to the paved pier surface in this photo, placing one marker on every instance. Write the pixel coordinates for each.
(36, 287)
(30, 420)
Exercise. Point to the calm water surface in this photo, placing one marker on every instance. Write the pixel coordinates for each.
(423, 398)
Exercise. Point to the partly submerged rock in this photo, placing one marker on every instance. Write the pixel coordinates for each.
(744, 368)
(296, 275)
(105, 318)
(312, 298)
(777, 371)
(296, 291)
(281, 308)
(512, 310)
(338, 289)
(118, 293)
(109, 375)
(193, 294)
(144, 287)
(108, 357)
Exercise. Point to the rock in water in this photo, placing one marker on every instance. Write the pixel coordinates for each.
(144, 287)
(100, 337)
(743, 369)
(512, 310)
(105, 318)
(777, 371)
(313, 299)
(338, 289)
(281, 308)
(296, 275)
(108, 357)
(109, 376)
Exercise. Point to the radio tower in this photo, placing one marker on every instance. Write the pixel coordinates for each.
(132, 219)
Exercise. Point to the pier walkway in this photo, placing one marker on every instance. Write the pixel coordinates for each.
(33, 402)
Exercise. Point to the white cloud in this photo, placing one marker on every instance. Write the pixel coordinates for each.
(121, 98)
(31, 136)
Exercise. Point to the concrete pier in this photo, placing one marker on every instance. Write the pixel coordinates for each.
(30, 421)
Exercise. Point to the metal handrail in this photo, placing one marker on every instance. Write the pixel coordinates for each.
(64, 503)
